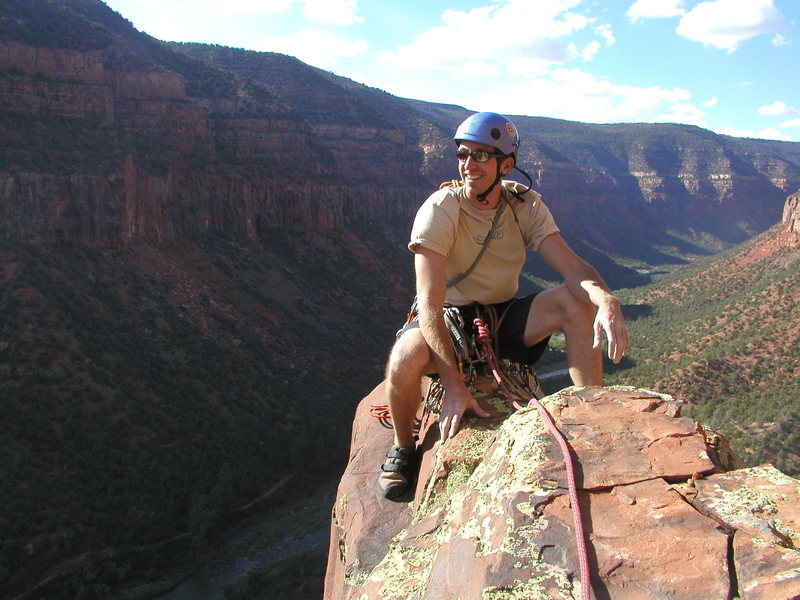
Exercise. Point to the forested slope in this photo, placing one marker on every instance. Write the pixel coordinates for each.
(723, 334)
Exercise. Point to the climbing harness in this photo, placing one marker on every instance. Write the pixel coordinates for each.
(472, 360)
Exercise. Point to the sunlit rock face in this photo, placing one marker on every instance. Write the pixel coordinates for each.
(791, 214)
(490, 515)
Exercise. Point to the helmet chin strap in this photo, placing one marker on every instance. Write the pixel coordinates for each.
(482, 197)
(530, 185)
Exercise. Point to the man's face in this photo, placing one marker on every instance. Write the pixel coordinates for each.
(478, 176)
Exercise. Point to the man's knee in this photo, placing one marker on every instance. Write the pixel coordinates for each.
(409, 357)
(576, 311)
(554, 310)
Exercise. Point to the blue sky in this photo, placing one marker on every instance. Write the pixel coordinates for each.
(731, 66)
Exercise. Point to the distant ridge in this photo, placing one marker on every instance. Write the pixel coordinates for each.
(660, 174)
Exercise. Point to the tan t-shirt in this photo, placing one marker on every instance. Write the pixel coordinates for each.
(449, 224)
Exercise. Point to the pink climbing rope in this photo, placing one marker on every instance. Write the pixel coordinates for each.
(580, 538)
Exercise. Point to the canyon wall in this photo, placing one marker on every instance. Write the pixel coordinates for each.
(112, 137)
(113, 157)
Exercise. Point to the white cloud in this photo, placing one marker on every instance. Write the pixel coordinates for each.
(318, 48)
(527, 67)
(780, 40)
(214, 21)
(682, 113)
(495, 33)
(710, 102)
(769, 133)
(791, 123)
(778, 109)
(735, 132)
(476, 69)
(162, 20)
(580, 96)
(654, 9)
(591, 51)
(725, 24)
(607, 34)
(245, 7)
(336, 12)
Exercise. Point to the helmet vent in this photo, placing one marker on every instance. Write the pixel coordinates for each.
(495, 133)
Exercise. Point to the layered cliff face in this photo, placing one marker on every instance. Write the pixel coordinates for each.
(111, 136)
(621, 188)
(366, 146)
(637, 187)
(99, 150)
(634, 182)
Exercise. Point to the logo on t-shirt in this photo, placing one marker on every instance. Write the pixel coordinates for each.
(497, 235)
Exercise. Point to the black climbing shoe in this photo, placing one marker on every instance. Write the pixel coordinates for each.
(396, 472)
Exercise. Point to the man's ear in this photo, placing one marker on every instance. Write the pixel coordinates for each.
(507, 164)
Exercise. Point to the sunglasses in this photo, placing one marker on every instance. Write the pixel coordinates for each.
(480, 156)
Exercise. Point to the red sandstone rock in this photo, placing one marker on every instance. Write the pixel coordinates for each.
(650, 543)
(627, 436)
(763, 506)
(363, 522)
(491, 518)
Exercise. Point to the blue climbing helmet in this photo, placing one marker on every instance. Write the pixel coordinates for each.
(491, 129)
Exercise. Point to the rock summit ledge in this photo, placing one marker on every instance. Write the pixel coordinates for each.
(490, 516)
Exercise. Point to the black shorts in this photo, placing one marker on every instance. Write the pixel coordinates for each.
(514, 316)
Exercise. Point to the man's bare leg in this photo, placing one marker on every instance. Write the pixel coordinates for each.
(558, 310)
(409, 360)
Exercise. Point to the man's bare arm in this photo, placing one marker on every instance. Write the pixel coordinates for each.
(430, 268)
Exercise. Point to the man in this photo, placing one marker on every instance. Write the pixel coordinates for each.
(448, 234)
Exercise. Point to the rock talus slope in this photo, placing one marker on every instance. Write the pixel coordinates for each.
(490, 515)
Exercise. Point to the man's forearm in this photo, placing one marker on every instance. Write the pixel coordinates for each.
(586, 284)
(434, 330)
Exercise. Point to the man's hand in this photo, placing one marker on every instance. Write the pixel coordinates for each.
(609, 319)
(456, 402)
